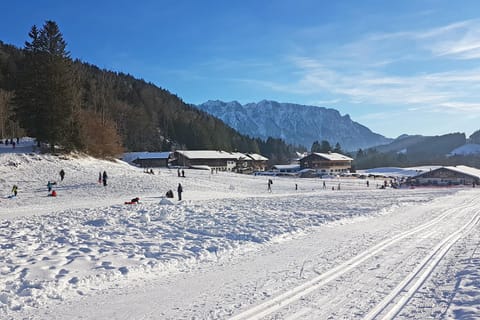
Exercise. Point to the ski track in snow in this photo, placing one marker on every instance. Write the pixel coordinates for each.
(86, 242)
(420, 273)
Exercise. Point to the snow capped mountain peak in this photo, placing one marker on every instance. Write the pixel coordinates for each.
(296, 124)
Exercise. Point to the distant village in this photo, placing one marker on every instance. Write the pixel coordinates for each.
(308, 165)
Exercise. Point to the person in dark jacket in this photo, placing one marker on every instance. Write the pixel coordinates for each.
(135, 200)
(104, 178)
(179, 190)
(62, 174)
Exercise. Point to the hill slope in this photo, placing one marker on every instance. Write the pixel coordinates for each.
(147, 118)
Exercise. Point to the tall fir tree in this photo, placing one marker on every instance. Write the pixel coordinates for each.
(338, 148)
(325, 146)
(28, 95)
(44, 100)
(316, 147)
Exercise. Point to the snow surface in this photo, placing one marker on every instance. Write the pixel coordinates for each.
(231, 249)
(466, 149)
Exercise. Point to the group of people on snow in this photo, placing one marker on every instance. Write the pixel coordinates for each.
(102, 178)
(11, 141)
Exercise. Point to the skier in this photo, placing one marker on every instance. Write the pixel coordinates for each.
(62, 174)
(324, 185)
(179, 190)
(15, 190)
(49, 186)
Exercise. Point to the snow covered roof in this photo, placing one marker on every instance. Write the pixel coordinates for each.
(469, 171)
(131, 156)
(465, 170)
(333, 156)
(286, 166)
(211, 154)
(257, 157)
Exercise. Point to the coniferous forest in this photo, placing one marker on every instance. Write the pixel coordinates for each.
(71, 105)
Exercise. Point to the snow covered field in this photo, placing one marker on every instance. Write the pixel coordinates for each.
(230, 249)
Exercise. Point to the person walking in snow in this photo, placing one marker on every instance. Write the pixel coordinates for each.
(62, 174)
(104, 178)
(269, 185)
(15, 190)
(324, 185)
(100, 177)
(49, 186)
(183, 173)
(178, 172)
(179, 190)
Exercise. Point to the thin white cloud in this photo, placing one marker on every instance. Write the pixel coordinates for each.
(439, 91)
(371, 70)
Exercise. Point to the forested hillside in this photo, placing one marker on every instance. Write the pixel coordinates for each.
(105, 105)
(417, 150)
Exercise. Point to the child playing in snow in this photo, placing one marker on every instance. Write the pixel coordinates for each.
(133, 201)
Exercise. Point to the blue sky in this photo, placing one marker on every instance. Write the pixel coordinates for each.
(395, 66)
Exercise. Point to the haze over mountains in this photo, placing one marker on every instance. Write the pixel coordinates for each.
(296, 124)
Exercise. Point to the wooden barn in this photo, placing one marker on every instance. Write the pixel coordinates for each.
(451, 175)
(328, 163)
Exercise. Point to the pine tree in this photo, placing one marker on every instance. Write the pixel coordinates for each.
(28, 95)
(316, 147)
(325, 146)
(338, 148)
(45, 96)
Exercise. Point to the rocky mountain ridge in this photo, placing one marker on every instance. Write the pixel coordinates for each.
(296, 124)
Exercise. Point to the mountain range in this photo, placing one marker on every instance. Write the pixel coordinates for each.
(294, 123)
